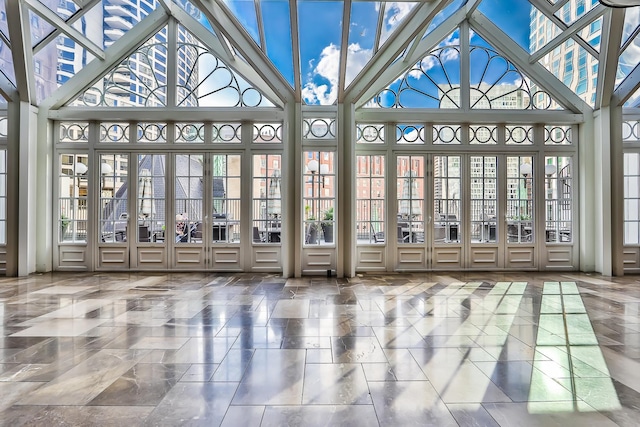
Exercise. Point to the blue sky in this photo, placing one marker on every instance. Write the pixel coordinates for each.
(320, 25)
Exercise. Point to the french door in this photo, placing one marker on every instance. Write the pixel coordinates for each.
(471, 211)
(169, 210)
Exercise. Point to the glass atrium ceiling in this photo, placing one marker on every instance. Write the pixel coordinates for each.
(324, 52)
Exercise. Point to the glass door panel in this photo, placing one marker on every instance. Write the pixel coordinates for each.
(446, 197)
(267, 198)
(558, 200)
(150, 198)
(114, 209)
(319, 197)
(189, 193)
(226, 198)
(520, 207)
(410, 191)
(483, 192)
(370, 199)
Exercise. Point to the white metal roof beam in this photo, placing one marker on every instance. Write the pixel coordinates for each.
(423, 47)
(53, 19)
(397, 42)
(88, 5)
(376, 41)
(22, 55)
(95, 70)
(214, 44)
(612, 27)
(512, 51)
(263, 40)
(344, 48)
(572, 30)
(295, 50)
(225, 23)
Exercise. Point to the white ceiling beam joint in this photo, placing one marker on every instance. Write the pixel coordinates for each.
(114, 54)
(471, 6)
(21, 52)
(48, 15)
(167, 5)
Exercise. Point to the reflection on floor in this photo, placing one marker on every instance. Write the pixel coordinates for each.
(258, 350)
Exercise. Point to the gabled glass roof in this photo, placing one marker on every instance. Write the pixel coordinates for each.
(302, 42)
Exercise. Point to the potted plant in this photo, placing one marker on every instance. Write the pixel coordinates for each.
(311, 232)
(64, 225)
(327, 225)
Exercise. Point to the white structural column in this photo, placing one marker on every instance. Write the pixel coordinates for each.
(27, 200)
(617, 189)
(292, 192)
(13, 133)
(600, 195)
(44, 196)
(584, 166)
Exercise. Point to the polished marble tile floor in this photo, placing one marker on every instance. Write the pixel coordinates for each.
(468, 349)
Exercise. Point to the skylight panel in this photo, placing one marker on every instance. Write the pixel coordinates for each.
(195, 13)
(120, 17)
(628, 59)
(394, 14)
(631, 23)
(245, 13)
(140, 80)
(574, 67)
(495, 82)
(276, 21)
(6, 66)
(525, 24)
(592, 33)
(6, 59)
(3, 20)
(633, 101)
(362, 34)
(541, 31)
(433, 82)
(573, 10)
(56, 63)
(204, 80)
(39, 28)
(63, 8)
(443, 15)
(320, 32)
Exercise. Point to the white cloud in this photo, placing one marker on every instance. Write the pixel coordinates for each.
(394, 14)
(328, 69)
(357, 58)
